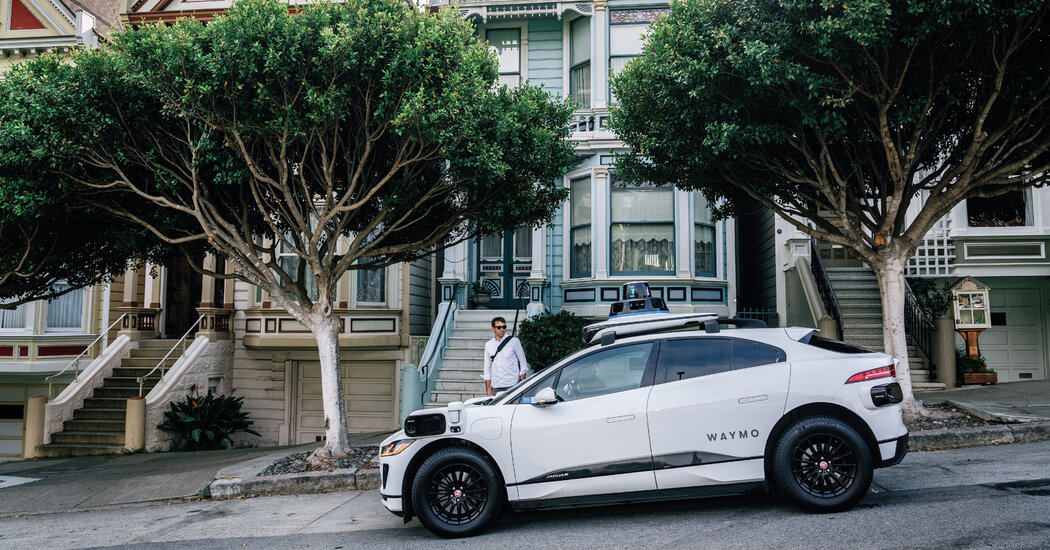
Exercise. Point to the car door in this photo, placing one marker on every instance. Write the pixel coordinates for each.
(713, 404)
(595, 439)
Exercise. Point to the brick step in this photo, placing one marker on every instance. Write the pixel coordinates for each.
(88, 438)
(465, 353)
(93, 425)
(449, 372)
(460, 386)
(52, 450)
(106, 403)
(124, 393)
(147, 362)
(129, 382)
(100, 414)
(133, 372)
(462, 364)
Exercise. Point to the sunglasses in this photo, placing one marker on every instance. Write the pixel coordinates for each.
(500, 327)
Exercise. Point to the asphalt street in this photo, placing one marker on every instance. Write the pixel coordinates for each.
(981, 497)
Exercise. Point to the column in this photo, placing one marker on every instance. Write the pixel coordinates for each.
(600, 223)
(600, 56)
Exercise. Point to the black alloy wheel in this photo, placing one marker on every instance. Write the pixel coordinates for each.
(823, 464)
(457, 492)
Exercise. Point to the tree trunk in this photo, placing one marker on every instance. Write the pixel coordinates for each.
(890, 275)
(337, 443)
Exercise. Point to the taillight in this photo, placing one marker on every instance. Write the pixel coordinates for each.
(882, 372)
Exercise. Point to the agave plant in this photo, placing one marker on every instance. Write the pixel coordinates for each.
(205, 423)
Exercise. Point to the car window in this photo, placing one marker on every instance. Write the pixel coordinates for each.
(606, 371)
(685, 358)
(752, 354)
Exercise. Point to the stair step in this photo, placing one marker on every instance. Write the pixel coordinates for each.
(129, 382)
(93, 425)
(465, 353)
(146, 362)
(100, 414)
(88, 438)
(52, 450)
(460, 386)
(133, 372)
(120, 392)
(105, 403)
(158, 343)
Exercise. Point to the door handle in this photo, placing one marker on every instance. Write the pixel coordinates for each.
(623, 418)
(752, 399)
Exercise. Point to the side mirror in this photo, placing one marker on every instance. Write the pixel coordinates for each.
(545, 398)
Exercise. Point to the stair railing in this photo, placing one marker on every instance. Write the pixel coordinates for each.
(160, 366)
(418, 381)
(917, 323)
(824, 288)
(75, 364)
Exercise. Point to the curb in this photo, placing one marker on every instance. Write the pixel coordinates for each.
(293, 484)
(935, 440)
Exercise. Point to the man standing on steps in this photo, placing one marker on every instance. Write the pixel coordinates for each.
(505, 361)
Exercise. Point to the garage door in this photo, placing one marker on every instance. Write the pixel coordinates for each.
(1014, 344)
(368, 389)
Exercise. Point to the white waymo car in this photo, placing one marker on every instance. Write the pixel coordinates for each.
(656, 415)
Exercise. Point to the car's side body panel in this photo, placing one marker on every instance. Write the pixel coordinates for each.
(702, 429)
(573, 448)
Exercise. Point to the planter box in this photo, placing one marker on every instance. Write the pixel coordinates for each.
(980, 378)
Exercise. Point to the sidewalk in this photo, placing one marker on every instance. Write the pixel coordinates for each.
(1021, 410)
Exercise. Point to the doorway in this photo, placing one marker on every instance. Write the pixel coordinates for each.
(182, 296)
(504, 263)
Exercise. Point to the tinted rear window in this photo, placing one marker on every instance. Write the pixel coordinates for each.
(835, 345)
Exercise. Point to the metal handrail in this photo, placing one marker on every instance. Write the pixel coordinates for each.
(824, 288)
(917, 323)
(75, 364)
(182, 341)
(426, 360)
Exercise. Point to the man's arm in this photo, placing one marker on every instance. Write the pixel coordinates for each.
(487, 371)
(523, 365)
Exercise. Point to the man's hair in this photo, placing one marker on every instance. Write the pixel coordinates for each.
(498, 320)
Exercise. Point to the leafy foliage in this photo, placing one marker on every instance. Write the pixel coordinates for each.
(350, 135)
(205, 423)
(548, 338)
(965, 363)
(933, 300)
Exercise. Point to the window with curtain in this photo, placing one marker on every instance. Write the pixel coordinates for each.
(371, 285)
(703, 237)
(523, 243)
(580, 61)
(626, 31)
(66, 311)
(580, 230)
(641, 233)
(13, 318)
(507, 45)
(492, 247)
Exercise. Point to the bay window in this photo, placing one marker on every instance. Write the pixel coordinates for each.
(67, 311)
(703, 237)
(580, 227)
(580, 61)
(641, 233)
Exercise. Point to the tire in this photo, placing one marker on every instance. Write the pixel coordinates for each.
(457, 492)
(822, 464)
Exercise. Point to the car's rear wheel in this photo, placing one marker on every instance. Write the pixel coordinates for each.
(457, 492)
(823, 464)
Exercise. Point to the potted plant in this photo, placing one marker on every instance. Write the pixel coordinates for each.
(975, 370)
(481, 293)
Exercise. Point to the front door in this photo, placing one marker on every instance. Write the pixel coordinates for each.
(504, 264)
(182, 296)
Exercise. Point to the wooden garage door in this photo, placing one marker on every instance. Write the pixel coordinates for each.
(368, 390)
(1014, 344)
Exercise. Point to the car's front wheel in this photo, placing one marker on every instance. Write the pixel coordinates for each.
(823, 464)
(457, 492)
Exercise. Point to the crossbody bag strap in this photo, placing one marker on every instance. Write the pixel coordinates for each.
(506, 340)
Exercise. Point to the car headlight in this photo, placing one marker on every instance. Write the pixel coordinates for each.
(396, 447)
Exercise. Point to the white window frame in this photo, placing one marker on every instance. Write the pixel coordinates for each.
(523, 36)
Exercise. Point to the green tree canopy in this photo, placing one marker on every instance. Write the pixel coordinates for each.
(841, 115)
(349, 136)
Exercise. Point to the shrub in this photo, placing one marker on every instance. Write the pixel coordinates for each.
(933, 301)
(965, 363)
(548, 338)
(205, 423)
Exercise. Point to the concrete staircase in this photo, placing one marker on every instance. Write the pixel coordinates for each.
(463, 360)
(97, 428)
(860, 303)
